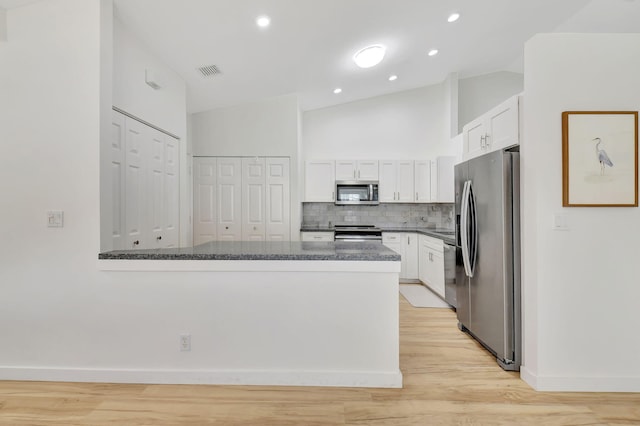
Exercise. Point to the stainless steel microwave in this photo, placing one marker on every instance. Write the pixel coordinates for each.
(357, 192)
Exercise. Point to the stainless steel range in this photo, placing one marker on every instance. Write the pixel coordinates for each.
(358, 233)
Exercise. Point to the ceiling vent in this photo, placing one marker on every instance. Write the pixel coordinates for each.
(209, 70)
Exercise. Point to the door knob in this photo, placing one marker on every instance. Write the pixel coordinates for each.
(159, 237)
(226, 227)
(255, 227)
(136, 242)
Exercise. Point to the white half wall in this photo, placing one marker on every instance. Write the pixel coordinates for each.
(477, 95)
(580, 287)
(267, 128)
(409, 124)
(3, 25)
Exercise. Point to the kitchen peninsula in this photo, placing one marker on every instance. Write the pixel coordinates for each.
(280, 313)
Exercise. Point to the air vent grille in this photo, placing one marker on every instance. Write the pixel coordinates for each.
(209, 70)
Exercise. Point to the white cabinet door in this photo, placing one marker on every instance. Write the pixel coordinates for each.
(367, 170)
(346, 170)
(117, 152)
(171, 233)
(437, 278)
(405, 182)
(410, 258)
(320, 181)
(431, 263)
(204, 200)
(229, 200)
(445, 192)
(137, 147)
(278, 209)
(388, 181)
(396, 243)
(422, 182)
(502, 125)
(474, 136)
(253, 199)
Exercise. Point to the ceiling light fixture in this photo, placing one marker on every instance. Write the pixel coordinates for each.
(263, 21)
(393, 78)
(338, 90)
(433, 52)
(369, 56)
(453, 17)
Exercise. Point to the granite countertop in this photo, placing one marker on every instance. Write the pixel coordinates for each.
(256, 250)
(445, 235)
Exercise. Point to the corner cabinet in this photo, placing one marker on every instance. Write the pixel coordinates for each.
(497, 129)
(320, 181)
(406, 245)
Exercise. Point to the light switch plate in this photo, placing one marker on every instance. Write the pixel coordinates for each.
(55, 218)
(559, 222)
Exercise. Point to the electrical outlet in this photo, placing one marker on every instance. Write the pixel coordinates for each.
(185, 342)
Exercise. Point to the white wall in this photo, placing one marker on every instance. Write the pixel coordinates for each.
(268, 128)
(165, 108)
(409, 124)
(477, 95)
(580, 287)
(3, 24)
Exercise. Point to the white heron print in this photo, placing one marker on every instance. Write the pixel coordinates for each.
(603, 158)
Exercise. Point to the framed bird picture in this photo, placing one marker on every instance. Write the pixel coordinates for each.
(600, 159)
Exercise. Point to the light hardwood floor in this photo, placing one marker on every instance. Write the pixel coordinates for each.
(448, 379)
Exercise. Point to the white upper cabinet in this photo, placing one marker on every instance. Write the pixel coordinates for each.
(422, 182)
(356, 169)
(320, 181)
(396, 181)
(497, 129)
(442, 179)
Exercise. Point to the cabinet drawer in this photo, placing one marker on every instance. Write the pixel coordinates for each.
(316, 236)
(391, 237)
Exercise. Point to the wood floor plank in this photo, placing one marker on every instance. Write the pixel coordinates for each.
(449, 379)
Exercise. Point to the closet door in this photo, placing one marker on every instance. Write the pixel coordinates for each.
(253, 203)
(117, 150)
(171, 233)
(229, 201)
(204, 200)
(137, 147)
(278, 202)
(155, 217)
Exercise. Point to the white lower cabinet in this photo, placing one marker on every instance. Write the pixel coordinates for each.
(406, 245)
(431, 263)
(241, 199)
(316, 236)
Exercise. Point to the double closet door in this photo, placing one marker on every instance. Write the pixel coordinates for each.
(145, 185)
(241, 199)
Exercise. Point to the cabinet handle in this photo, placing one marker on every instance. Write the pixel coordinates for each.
(482, 142)
(358, 174)
(354, 174)
(333, 196)
(417, 196)
(486, 140)
(159, 237)
(317, 237)
(136, 242)
(398, 195)
(408, 240)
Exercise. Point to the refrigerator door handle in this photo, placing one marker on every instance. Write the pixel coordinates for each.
(464, 228)
(473, 246)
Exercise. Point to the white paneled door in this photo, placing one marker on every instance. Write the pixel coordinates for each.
(145, 184)
(229, 200)
(253, 198)
(204, 200)
(278, 203)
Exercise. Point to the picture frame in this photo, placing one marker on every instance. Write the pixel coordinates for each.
(600, 159)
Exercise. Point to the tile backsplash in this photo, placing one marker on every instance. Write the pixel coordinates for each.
(384, 215)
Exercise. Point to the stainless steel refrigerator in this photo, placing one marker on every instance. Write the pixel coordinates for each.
(488, 253)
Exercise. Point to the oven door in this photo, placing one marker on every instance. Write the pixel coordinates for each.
(354, 238)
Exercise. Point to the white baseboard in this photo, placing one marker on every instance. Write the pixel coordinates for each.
(580, 384)
(209, 377)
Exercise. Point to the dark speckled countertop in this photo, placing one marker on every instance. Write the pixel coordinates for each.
(445, 235)
(255, 250)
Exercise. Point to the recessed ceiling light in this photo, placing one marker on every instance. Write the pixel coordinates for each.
(369, 56)
(263, 21)
(433, 52)
(453, 17)
(337, 90)
(393, 77)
